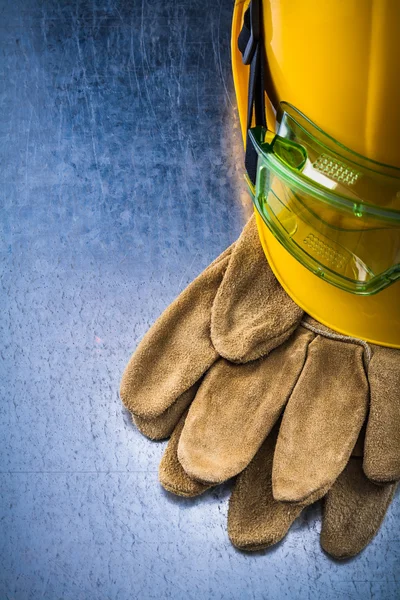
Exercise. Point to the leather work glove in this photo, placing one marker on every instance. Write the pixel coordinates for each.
(353, 508)
(280, 481)
(235, 309)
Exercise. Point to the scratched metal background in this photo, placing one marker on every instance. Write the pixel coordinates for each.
(121, 179)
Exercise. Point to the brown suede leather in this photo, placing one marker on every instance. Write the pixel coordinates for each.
(252, 314)
(354, 507)
(171, 474)
(177, 351)
(382, 439)
(161, 427)
(354, 510)
(236, 309)
(235, 408)
(255, 519)
(322, 420)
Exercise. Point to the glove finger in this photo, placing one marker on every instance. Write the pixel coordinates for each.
(235, 408)
(252, 314)
(354, 510)
(177, 350)
(255, 519)
(322, 420)
(161, 427)
(171, 474)
(382, 439)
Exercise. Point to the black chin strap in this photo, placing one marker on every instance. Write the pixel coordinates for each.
(251, 46)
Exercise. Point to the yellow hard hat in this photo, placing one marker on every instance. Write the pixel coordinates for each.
(318, 94)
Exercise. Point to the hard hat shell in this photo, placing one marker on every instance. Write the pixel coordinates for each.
(336, 62)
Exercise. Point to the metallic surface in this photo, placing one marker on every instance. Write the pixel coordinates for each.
(121, 176)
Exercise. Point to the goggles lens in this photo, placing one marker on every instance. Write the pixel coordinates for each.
(336, 212)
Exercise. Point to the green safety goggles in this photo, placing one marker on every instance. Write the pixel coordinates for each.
(335, 211)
